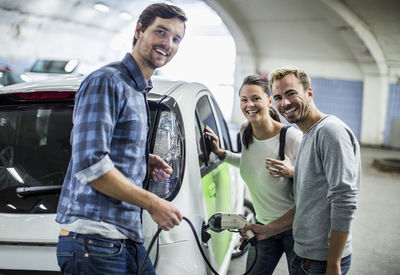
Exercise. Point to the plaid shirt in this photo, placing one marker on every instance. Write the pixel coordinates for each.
(110, 129)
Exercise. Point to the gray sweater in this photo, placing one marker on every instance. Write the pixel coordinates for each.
(326, 184)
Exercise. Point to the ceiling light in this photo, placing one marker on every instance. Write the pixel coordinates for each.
(15, 174)
(124, 15)
(11, 206)
(101, 7)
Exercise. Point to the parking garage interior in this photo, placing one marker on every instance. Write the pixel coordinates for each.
(350, 48)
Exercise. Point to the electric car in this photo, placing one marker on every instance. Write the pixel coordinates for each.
(9, 76)
(49, 68)
(35, 126)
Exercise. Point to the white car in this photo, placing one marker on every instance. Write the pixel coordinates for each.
(35, 125)
(49, 68)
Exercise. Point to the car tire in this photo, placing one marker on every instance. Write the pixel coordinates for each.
(248, 212)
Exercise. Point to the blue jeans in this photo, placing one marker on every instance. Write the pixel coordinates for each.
(269, 253)
(91, 254)
(317, 267)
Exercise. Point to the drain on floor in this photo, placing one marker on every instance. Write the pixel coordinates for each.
(387, 165)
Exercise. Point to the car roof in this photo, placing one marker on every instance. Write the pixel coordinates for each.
(72, 83)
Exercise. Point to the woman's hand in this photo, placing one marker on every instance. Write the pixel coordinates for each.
(279, 168)
(213, 142)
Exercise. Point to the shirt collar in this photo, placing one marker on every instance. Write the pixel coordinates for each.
(141, 84)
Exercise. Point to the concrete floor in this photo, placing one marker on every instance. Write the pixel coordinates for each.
(376, 229)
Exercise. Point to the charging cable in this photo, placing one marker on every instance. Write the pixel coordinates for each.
(155, 237)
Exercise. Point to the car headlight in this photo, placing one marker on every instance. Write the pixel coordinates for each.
(168, 145)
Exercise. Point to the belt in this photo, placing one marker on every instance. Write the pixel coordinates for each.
(307, 263)
(65, 233)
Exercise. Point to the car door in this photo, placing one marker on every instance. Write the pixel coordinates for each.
(215, 175)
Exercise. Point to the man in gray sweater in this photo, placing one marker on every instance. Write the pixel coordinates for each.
(326, 180)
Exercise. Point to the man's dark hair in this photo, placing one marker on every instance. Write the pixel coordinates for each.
(161, 10)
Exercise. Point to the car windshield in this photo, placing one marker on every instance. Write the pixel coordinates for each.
(34, 152)
(54, 66)
(9, 78)
(34, 155)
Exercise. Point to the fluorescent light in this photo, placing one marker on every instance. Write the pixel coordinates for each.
(124, 15)
(11, 206)
(14, 173)
(101, 7)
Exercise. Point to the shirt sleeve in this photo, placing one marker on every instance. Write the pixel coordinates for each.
(95, 115)
(232, 158)
(341, 164)
(293, 142)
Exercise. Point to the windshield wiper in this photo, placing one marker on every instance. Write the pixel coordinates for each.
(33, 191)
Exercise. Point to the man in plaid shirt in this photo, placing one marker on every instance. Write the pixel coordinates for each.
(100, 204)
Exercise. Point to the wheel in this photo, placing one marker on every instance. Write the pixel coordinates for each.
(248, 212)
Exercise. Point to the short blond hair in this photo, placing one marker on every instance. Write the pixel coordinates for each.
(280, 73)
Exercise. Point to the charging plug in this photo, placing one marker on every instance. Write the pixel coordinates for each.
(205, 236)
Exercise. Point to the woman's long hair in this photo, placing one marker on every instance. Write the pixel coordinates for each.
(261, 82)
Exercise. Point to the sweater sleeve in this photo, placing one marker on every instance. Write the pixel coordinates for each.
(341, 161)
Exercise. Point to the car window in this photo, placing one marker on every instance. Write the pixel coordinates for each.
(34, 152)
(9, 78)
(54, 66)
(226, 141)
(168, 144)
(199, 143)
(206, 117)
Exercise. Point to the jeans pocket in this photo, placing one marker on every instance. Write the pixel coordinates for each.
(103, 256)
(297, 266)
(99, 247)
(66, 262)
(303, 268)
(316, 267)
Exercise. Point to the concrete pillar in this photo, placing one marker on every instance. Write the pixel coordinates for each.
(244, 65)
(374, 106)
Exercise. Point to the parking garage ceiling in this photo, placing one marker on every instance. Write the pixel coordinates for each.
(60, 29)
(362, 32)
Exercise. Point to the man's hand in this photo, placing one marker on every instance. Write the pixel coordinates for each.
(279, 225)
(335, 252)
(333, 270)
(158, 168)
(279, 168)
(114, 184)
(164, 213)
(261, 231)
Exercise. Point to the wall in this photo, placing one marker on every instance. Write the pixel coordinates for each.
(393, 110)
(342, 98)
